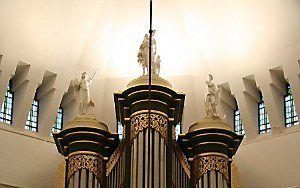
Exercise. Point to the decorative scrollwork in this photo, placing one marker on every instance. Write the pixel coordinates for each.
(115, 157)
(158, 122)
(182, 159)
(203, 165)
(91, 162)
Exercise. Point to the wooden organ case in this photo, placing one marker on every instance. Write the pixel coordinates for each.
(148, 154)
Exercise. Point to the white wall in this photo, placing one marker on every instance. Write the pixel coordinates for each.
(67, 37)
(270, 162)
(27, 161)
(18, 149)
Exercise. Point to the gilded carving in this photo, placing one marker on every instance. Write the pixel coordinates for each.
(203, 165)
(91, 162)
(158, 122)
(182, 159)
(115, 157)
(173, 133)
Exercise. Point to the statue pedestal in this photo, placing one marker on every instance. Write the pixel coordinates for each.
(86, 121)
(216, 123)
(144, 80)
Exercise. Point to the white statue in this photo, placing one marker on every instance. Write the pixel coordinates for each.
(212, 98)
(143, 56)
(83, 92)
(156, 65)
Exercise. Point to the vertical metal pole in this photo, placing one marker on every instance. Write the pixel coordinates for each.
(150, 64)
(152, 157)
(149, 96)
(150, 54)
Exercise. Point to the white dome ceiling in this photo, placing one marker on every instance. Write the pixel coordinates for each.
(192, 37)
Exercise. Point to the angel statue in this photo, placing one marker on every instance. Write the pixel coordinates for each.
(83, 92)
(212, 98)
(143, 55)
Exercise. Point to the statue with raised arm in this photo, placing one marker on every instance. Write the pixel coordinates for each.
(212, 98)
(83, 92)
(143, 55)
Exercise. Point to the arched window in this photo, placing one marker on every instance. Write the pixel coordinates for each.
(58, 124)
(238, 126)
(178, 129)
(263, 119)
(120, 130)
(32, 120)
(291, 117)
(7, 105)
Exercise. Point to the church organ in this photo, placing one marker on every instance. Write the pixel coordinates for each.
(148, 155)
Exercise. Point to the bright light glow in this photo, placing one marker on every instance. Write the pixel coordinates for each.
(237, 36)
(192, 37)
(184, 39)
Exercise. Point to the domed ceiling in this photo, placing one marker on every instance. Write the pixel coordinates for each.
(192, 36)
